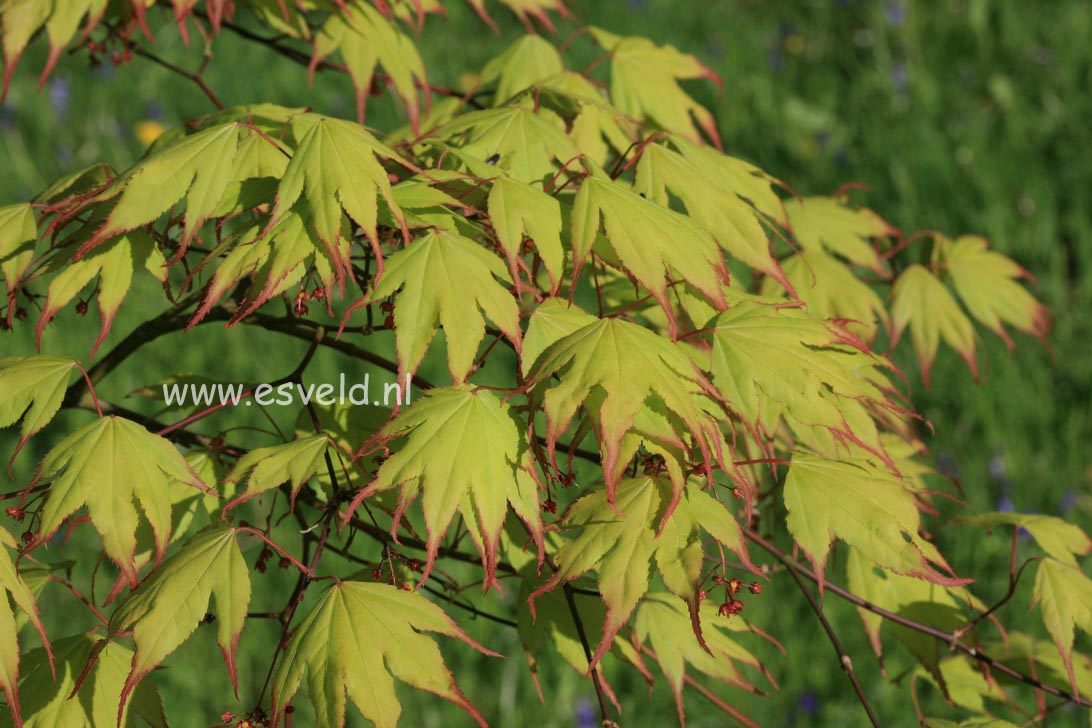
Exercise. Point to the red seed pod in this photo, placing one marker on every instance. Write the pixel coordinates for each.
(734, 585)
(319, 293)
(16, 513)
(701, 595)
(388, 322)
(81, 308)
(549, 506)
(284, 563)
(27, 537)
(406, 586)
(386, 307)
(718, 579)
(21, 314)
(755, 587)
(226, 716)
(377, 574)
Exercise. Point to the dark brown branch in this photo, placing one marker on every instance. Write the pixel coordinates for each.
(949, 638)
(195, 77)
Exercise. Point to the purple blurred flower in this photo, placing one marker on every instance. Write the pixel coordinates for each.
(1068, 501)
(1005, 505)
(896, 13)
(900, 77)
(636, 4)
(586, 715)
(59, 96)
(155, 111)
(809, 703)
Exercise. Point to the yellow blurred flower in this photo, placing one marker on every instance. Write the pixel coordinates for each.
(148, 131)
(795, 44)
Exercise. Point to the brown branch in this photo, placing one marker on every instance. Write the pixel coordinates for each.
(949, 638)
(195, 77)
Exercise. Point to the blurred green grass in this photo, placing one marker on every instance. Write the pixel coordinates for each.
(959, 116)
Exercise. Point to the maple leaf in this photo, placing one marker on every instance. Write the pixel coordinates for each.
(34, 386)
(865, 506)
(986, 283)
(60, 18)
(528, 61)
(269, 467)
(666, 626)
(366, 39)
(650, 240)
(628, 376)
(113, 263)
(644, 83)
(209, 565)
(553, 320)
(715, 206)
(744, 179)
(524, 142)
(620, 538)
(107, 465)
(1061, 540)
(1064, 595)
(516, 209)
(770, 361)
(335, 167)
(921, 301)
(433, 462)
(18, 234)
(275, 260)
(828, 223)
(197, 167)
(524, 10)
(355, 640)
(831, 290)
(12, 583)
(446, 280)
(100, 668)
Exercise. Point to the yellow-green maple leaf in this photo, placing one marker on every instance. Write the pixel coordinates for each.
(1064, 595)
(446, 280)
(18, 234)
(644, 83)
(169, 605)
(365, 39)
(52, 701)
(266, 468)
(335, 167)
(718, 208)
(827, 222)
(628, 376)
(865, 506)
(986, 283)
(110, 465)
(113, 263)
(12, 583)
(653, 242)
(526, 62)
(33, 386)
(435, 461)
(354, 641)
(620, 539)
(921, 301)
(517, 209)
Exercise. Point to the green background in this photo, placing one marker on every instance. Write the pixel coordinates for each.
(955, 116)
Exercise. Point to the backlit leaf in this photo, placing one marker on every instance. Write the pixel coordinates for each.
(827, 223)
(112, 263)
(111, 465)
(1062, 540)
(518, 209)
(1064, 595)
(446, 280)
(18, 233)
(866, 507)
(653, 242)
(366, 39)
(11, 583)
(266, 468)
(628, 375)
(355, 641)
(34, 386)
(620, 539)
(644, 83)
(433, 463)
(169, 605)
(921, 301)
(986, 283)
